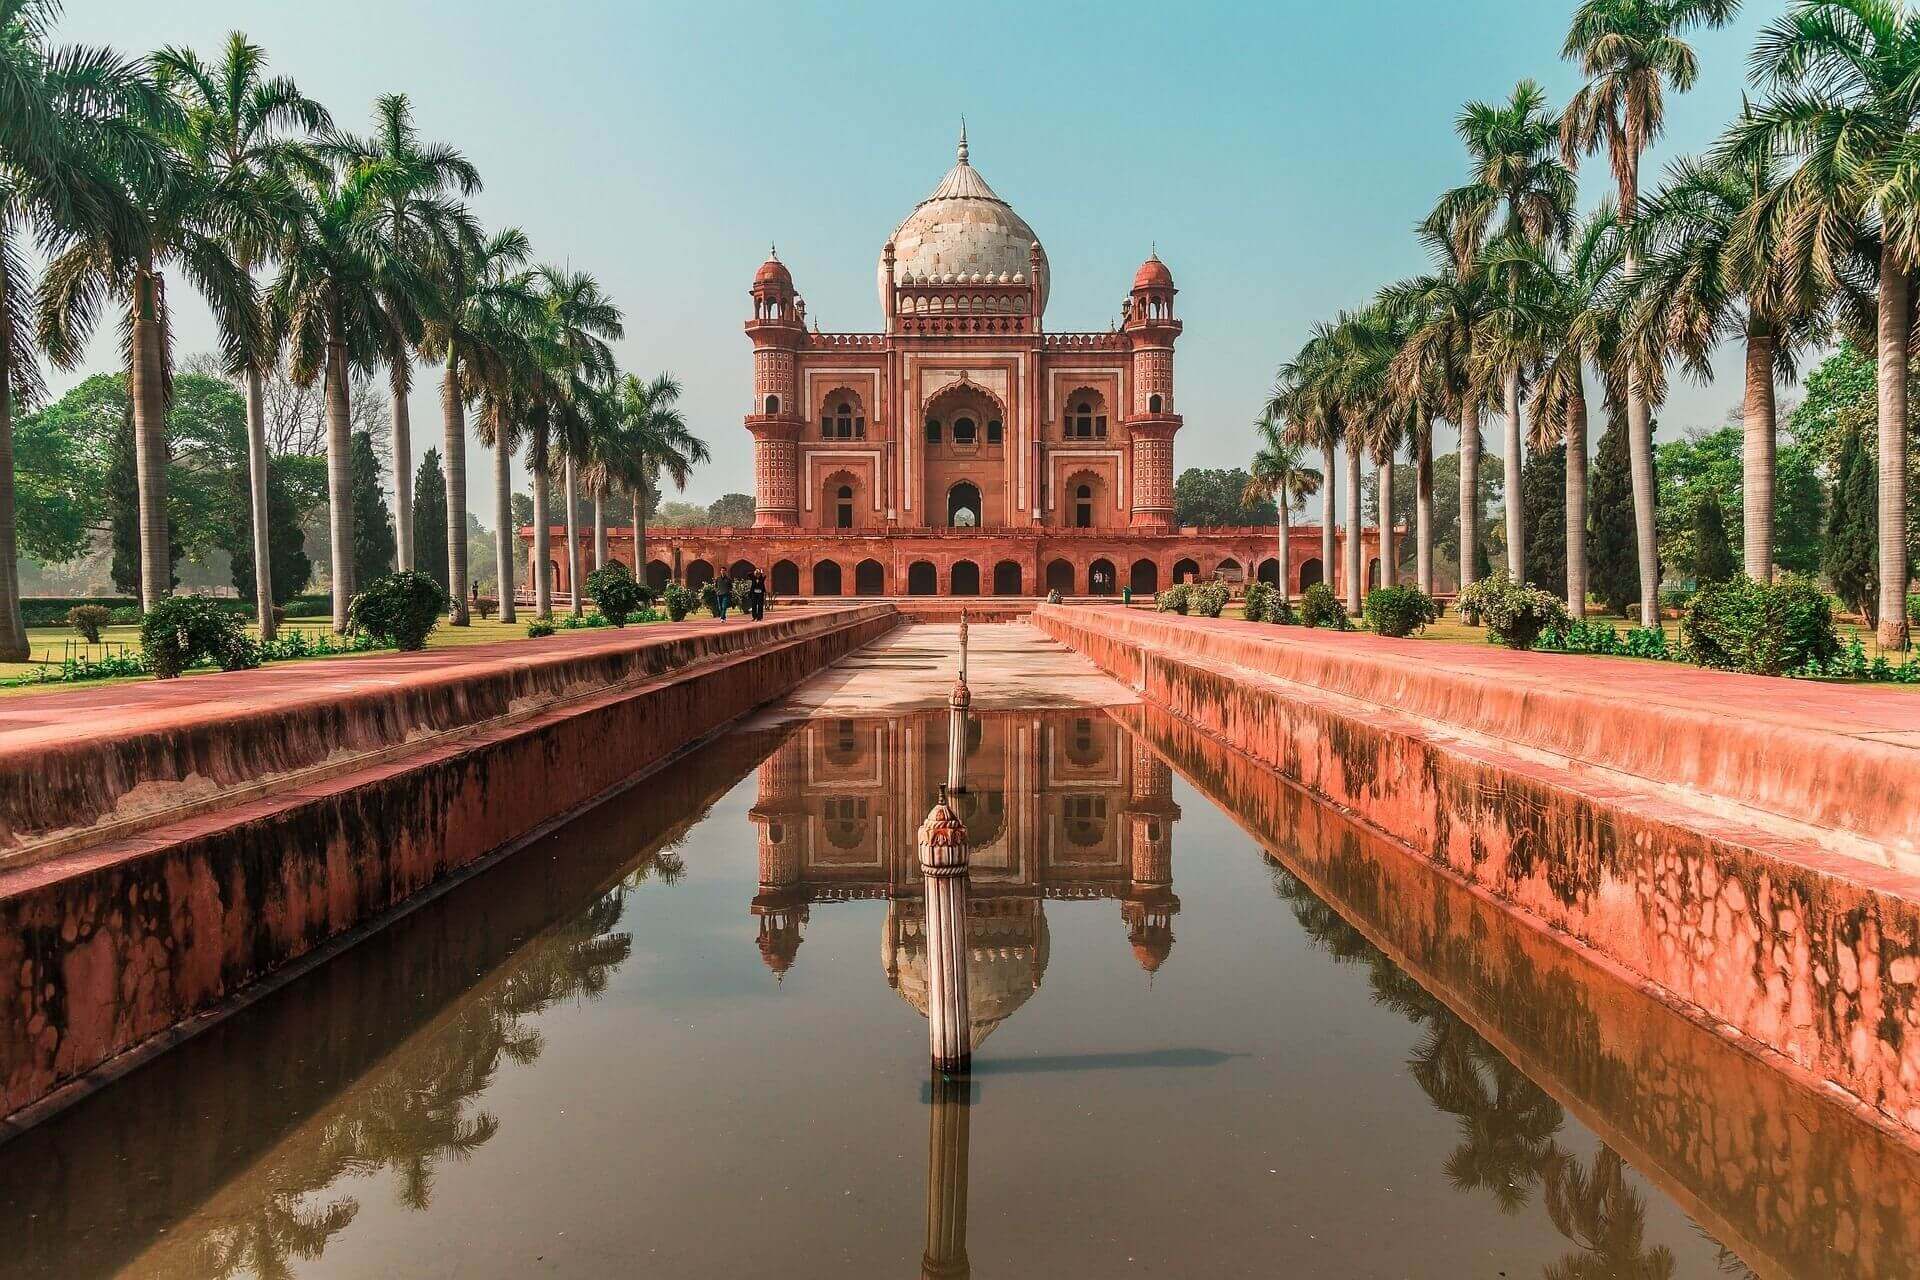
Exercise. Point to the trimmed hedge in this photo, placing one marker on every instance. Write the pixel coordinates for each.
(1764, 629)
(1399, 611)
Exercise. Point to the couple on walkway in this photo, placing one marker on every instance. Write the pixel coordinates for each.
(755, 603)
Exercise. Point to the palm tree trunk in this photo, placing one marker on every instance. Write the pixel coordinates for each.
(399, 383)
(1389, 553)
(1645, 532)
(1469, 496)
(1423, 510)
(1576, 505)
(1515, 504)
(570, 490)
(1757, 458)
(339, 481)
(640, 532)
(599, 527)
(1330, 519)
(542, 539)
(1356, 562)
(504, 542)
(453, 408)
(14, 646)
(150, 441)
(1282, 570)
(257, 490)
(1895, 333)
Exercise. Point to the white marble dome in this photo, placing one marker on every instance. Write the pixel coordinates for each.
(963, 232)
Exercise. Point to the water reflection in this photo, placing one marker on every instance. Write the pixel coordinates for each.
(1058, 806)
(361, 1090)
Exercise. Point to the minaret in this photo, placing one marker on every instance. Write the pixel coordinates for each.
(778, 330)
(779, 811)
(957, 704)
(943, 875)
(949, 1125)
(1151, 420)
(1150, 903)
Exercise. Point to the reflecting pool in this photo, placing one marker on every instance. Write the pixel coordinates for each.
(1219, 1030)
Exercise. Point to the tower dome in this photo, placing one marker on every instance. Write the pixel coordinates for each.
(963, 230)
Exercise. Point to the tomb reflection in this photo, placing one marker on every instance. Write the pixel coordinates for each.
(1058, 806)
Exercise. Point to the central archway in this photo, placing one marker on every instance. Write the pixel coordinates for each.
(1006, 578)
(963, 506)
(785, 579)
(869, 578)
(964, 579)
(826, 578)
(921, 578)
(1102, 580)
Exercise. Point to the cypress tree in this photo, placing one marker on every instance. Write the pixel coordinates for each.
(1851, 557)
(286, 545)
(1543, 483)
(374, 547)
(1712, 553)
(1612, 568)
(430, 520)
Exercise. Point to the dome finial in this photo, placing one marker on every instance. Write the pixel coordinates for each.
(963, 140)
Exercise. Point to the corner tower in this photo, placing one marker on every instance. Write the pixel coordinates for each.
(1151, 330)
(778, 329)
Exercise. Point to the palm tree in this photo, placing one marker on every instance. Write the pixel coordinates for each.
(661, 442)
(1519, 182)
(582, 320)
(184, 216)
(461, 322)
(500, 368)
(1847, 102)
(1450, 313)
(417, 183)
(61, 114)
(1575, 312)
(236, 122)
(1716, 269)
(327, 304)
(1630, 52)
(1305, 394)
(1279, 471)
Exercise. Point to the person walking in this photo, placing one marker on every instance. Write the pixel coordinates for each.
(722, 598)
(757, 596)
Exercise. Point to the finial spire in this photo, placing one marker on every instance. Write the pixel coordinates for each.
(963, 140)
(773, 252)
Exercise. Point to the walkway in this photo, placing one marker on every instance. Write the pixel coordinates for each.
(1010, 665)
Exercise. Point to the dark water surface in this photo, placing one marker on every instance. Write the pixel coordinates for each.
(680, 1037)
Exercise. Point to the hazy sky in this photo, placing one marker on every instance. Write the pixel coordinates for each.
(1278, 153)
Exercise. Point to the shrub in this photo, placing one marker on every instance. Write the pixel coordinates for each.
(1913, 608)
(1174, 599)
(309, 608)
(485, 606)
(87, 619)
(1209, 600)
(1399, 611)
(1281, 613)
(1581, 636)
(678, 600)
(539, 627)
(1647, 642)
(1515, 614)
(615, 594)
(182, 631)
(1259, 599)
(400, 608)
(1676, 598)
(1320, 607)
(128, 615)
(51, 611)
(1760, 628)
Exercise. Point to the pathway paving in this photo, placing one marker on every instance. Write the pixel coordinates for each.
(1010, 665)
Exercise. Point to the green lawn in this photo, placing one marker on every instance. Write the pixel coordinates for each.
(53, 645)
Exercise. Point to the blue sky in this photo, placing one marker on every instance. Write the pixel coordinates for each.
(1278, 153)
